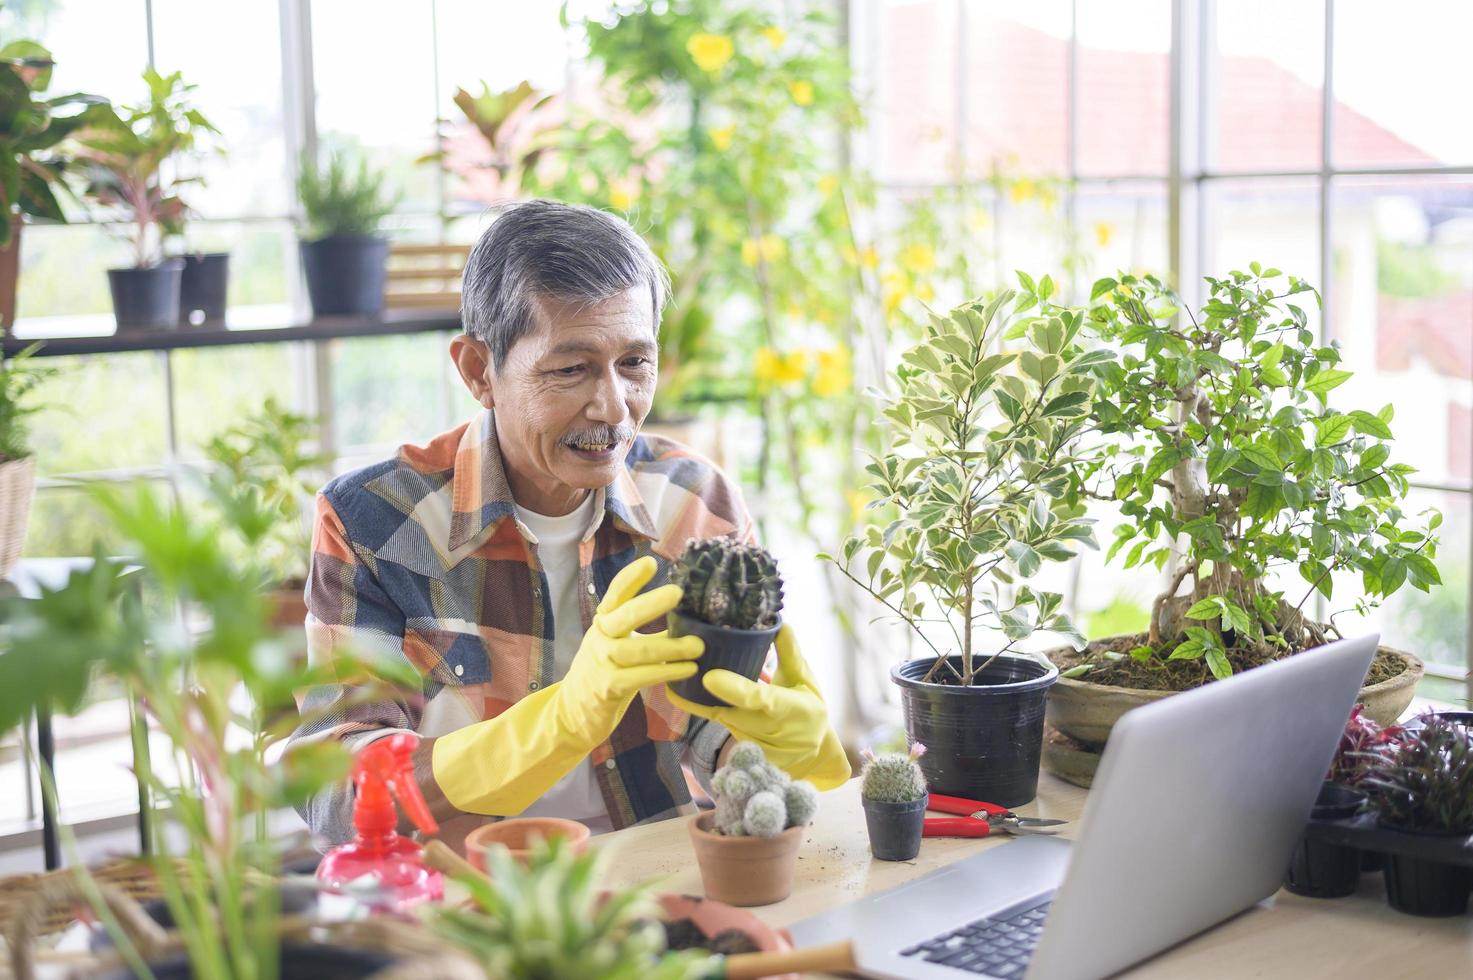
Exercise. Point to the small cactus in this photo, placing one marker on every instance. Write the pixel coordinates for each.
(727, 583)
(745, 755)
(802, 802)
(766, 814)
(893, 777)
(755, 798)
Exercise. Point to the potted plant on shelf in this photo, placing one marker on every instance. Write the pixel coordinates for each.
(980, 480)
(31, 128)
(343, 255)
(893, 791)
(732, 598)
(748, 846)
(1233, 474)
(18, 378)
(1425, 787)
(128, 163)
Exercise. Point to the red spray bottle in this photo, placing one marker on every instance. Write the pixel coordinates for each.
(380, 863)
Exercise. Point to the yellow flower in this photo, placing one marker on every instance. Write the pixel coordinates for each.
(857, 500)
(771, 368)
(917, 259)
(622, 196)
(827, 184)
(925, 293)
(1104, 231)
(749, 251)
(710, 52)
(770, 249)
(832, 376)
(802, 91)
(721, 136)
(1021, 190)
(775, 36)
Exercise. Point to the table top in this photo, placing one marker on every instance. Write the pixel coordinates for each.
(1285, 936)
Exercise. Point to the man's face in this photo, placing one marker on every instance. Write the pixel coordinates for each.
(571, 396)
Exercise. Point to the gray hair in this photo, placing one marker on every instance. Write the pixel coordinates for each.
(551, 250)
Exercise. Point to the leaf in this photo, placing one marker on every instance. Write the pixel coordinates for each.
(1332, 429)
(1068, 404)
(1327, 381)
(1189, 650)
(1027, 282)
(1217, 662)
(1078, 671)
(1209, 608)
(1370, 425)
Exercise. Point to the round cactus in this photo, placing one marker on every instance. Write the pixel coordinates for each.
(776, 778)
(801, 800)
(737, 829)
(766, 815)
(727, 583)
(745, 755)
(892, 777)
(739, 784)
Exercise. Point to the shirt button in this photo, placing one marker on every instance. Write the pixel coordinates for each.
(532, 686)
(609, 764)
(591, 589)
(459, 669)
(537, 592)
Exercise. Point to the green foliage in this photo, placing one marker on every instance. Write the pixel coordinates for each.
(1411, 271)
(549, 920)
(19, 376)
(727, 583)
(893, 777)
(31, 128)
(130, 159)
(981, 475)
(343, 198)
(1426, 783)
(1227, 458)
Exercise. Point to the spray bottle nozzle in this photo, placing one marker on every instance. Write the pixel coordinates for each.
(383, 772)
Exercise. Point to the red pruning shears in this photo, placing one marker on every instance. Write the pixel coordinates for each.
(978, 819)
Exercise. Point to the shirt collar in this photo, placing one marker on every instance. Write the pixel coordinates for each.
(481, 494)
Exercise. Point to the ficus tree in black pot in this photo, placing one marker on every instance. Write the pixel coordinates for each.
(979, 484)
(732, 598)
(343, 255)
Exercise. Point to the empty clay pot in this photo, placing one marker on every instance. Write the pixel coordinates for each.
(518, 834)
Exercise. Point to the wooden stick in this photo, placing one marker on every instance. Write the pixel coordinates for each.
(834, 958)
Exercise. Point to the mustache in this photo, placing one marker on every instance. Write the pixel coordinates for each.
(611, 434)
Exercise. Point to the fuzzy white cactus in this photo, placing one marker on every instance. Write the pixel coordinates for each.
(756, 798)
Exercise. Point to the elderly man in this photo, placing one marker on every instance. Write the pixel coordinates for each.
(506, 561)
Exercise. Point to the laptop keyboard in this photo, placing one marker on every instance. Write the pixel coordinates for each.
(997, 946)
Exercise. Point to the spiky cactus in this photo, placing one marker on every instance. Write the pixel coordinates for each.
(754, 798)
(893, 777)
(727, 583)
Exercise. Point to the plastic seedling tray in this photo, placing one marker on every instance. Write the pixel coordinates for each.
(1362, 832)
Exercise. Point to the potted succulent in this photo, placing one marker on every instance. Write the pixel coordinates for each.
(18, 377)
(732, 598)
(748, 846)
(127, 159)
(343, 256)
(1425, 787)
(893, 791)
(1229, 466)
(31, 127)
(980, 482)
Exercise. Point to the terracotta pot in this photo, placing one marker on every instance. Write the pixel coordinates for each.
(517, 835)
(713, 918)
(17, 487)
(745, 870)
(1086, 712)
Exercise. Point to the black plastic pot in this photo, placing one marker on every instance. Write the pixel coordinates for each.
(146, 299)
(1418, 886)
(203, 286)
(345, 274)
(983, 741)
(298, 962)
(739, 651)
(895, 828)
(1319, 869)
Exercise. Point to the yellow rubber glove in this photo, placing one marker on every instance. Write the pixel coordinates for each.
(787, 718)
(503, 765)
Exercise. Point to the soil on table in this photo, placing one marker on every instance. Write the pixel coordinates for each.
(1160, 674)
(685, 934)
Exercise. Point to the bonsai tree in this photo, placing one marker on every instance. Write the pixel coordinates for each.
(130, 158)
(344, 198)
(979, 481)
(1230, 464)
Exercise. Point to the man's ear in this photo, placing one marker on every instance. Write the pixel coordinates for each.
(473, 360)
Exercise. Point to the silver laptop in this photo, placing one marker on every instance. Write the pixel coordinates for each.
(1195, 811)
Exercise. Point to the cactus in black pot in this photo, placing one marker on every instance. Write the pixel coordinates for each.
(893, 790)
(732, 598)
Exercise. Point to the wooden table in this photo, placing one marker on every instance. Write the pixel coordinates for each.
(1285, 936)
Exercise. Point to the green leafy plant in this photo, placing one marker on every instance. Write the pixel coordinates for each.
(343, 198)
(509, 132)
(1230, 463)
(31, 129)
(263, 463)
(1426, 783)
(754, 798)
(1361, 744)
(19, 376)
(727, 583)
(893, 777)
(129, 161)
(548, 920)
(980, 477)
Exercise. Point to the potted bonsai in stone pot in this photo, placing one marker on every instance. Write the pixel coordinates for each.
(980, 482)
(1235, 477)
(18, 378)
(748, 847)
(128, 161)
(732, 598)
(1425, 787)
(343, 256)
(893, 791)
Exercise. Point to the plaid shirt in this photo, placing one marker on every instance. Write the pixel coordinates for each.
(422, 557)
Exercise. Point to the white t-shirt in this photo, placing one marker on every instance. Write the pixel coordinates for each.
(576, 796)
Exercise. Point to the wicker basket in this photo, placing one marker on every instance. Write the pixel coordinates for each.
(17, 485)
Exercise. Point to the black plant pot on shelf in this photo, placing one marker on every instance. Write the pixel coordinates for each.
(739, 651)
(203, 287)
(345, 274)
(983, 741)
(895, 828)
(1419, 886)
(147, 299)
(1319, 869)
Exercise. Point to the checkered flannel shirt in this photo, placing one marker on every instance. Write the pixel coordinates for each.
(422, 557)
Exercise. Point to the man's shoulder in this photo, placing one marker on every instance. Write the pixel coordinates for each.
(375, 500)
(680, 486)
